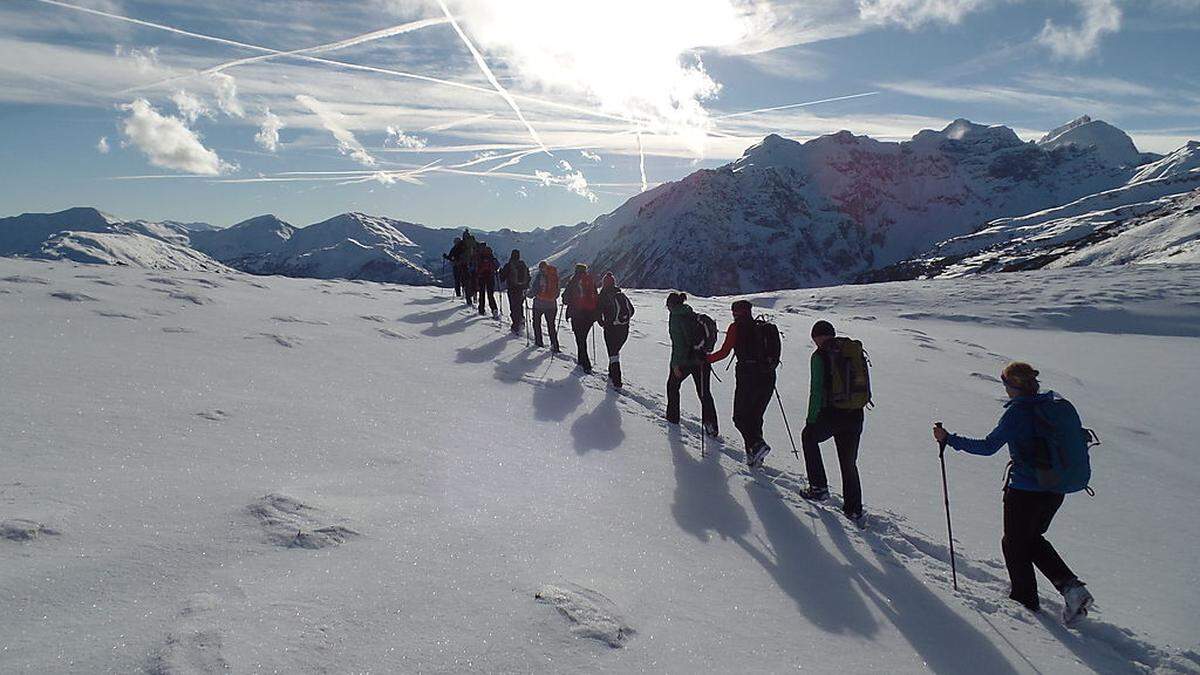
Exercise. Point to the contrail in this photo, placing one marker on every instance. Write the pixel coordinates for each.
(794, 105)
(338, 64)
(642, 161)
(457, 123)
(487, 72)
(317, 49)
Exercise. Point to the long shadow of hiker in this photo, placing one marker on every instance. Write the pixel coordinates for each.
(703, 505)
(1093, 644)
(434, 316)
(523, 363)
(435, 300)
(483, 353)
(947, 642)
(805, 570)
(599, 429)
(553, 400)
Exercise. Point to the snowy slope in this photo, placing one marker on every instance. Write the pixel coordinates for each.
(246, 244)
(1109, 143)
(209, 472)
(788, 214)
(127, 248)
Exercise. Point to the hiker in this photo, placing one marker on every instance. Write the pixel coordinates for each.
(485, 278)
(615, 313)
(756, 345)
(544, 291)
(838, 393)
(580, 298)
(515, 274)
(467, 260)
(1048, 449)
(456, 252)
(688, 360)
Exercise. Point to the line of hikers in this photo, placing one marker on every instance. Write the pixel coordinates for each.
(1047, 443)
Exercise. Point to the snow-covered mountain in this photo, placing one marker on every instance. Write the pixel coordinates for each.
(789, 214)
(1153, 218)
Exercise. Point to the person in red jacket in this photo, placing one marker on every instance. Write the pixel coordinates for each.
(485, 275)
(582, 301)
(755, 379)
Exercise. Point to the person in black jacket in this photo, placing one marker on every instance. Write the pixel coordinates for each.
(456, 252)
(615, 313)
(515, 275)
(755, 379)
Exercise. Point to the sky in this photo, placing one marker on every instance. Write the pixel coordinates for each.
(532, 113)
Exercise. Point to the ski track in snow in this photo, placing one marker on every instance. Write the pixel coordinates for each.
(590, 614)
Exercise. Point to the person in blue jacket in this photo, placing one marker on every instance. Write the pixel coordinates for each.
(1028, 507)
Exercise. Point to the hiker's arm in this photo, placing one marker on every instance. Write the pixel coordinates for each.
(816, 387)
(679, 345)
(984, 446)
(726, 346)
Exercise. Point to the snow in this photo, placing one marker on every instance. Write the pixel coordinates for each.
(127, 249)
(1108, 142)
(266, 480)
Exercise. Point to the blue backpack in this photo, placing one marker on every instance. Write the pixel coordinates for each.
(1061, 446)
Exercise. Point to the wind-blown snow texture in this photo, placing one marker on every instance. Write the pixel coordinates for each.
(205, 472)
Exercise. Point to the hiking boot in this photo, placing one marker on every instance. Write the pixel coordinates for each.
(756, 455)
(859, 519)
(1031, 604)
(1076, 602)
(710, 428)
(815, 494)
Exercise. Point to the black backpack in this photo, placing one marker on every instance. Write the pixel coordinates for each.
(761, 344)
(624, 309)
(702, 333)
(518, 275)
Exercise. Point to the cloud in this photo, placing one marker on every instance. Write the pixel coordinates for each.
(168, 142)
(225, 88)
(1076, 43)
(102, 145)
(396, 138)
(570, 180)
(190, 106)
(146, 58)
(268, 132)
(335, 123)
(914, 13)
(590, 156)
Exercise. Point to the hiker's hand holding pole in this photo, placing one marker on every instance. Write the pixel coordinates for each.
(940, 435)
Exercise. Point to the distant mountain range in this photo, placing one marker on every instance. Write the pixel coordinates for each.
(840, 208)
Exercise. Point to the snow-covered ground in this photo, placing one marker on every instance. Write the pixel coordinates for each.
(211, 471)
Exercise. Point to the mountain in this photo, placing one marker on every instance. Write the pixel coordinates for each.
(1155, 217)
(789, 214)
(248, 245)
(1109, 143)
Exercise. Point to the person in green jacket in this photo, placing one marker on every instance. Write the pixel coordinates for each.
(824, 422)
(687, 361)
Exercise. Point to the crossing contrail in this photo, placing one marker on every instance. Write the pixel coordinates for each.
(316, 49)
(491, 77)
(642, 161)
(795, 105)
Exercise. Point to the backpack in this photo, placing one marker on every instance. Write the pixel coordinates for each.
(849, 378)
(761, 344)
(518, 275)
(549, 284)
(624, 309)
(702, 333)
(1061, 446)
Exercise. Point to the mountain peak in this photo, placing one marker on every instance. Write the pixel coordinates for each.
(1111, 145)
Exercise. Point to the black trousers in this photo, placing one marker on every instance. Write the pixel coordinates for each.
(614, 339)
(845, 428)
(516, 307)
(581, 326)
(458, 280)
(701, 374)
(550, 312)
(1027, 517)
(751, 396)
(487, 290)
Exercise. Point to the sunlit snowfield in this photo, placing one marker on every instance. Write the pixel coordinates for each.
(206, 472)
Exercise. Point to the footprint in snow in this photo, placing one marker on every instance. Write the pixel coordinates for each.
(296, 319)
(186, 297)
(22, 279)
(589, 614)
(281, 340)
(71, 296)
(214, 415)
(20, 529)
(373, 317)
(985, 377)
(395, 335)
(115, 315)
(176, 329)
(290, 523)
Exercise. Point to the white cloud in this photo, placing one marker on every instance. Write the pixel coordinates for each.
(590, 156)
(335, 123)
(102, 145)
(913, 13)
(146, 58)
(268, 132)
(225, 88)
(190, 106)
(1100, 17)
(396, 138)
(569, 179)
(168, 142)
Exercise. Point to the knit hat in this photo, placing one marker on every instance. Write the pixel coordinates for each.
(609, 280)
(823, 328)
(1021, 377)
(741, 308)
(674, 299)
(580, 267)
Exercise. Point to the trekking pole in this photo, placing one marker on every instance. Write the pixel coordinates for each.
(946, 496)
(525, 320)
(442, 279)
(787, 426)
